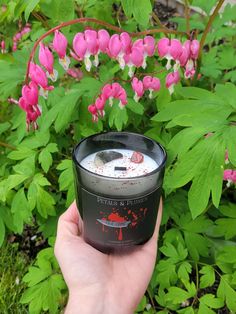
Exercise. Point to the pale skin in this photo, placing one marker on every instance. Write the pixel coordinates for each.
(98, 282)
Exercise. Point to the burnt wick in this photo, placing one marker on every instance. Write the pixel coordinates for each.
(120, 168)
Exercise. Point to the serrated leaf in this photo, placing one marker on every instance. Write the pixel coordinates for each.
(178, 295)
(165, 274)
(135, 107)
(204, 309)
(127, 7)
(66, 177)
(30, 7)
(208, 276)
(227, 255)
(227, 293)
(118, 117)
(20, 210)
(45, 203)
(211, 301)
(26, 166)
(175, 254)
(2, 231)
(21, 153)
(184, 270)
(142, 11)
(200, 247)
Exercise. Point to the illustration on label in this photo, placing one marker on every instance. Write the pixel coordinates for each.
(129, 219)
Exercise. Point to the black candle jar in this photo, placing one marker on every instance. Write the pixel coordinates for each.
(118, 212)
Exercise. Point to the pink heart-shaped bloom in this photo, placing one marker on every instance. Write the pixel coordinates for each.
(149, 45)
(163, 46)
(59, 44)
(30, 93)
(137, 87)
(126, 42)
(91, 41)
(46, 58)
(37, 75)
(80, 45)
(103, 40)
(114, 45)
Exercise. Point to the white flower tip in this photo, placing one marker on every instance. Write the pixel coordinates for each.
(53, 76)
(136, 97)
(171, 89)
(110, 101)
(65, 62)
(121, 105)
(43, 92)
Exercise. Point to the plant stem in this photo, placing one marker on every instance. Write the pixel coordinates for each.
(157, 20)
(187, 16)
(7, 145)
(99, 22)
(204, 35)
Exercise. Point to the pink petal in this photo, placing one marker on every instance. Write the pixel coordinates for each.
(103, 40)
(79, 45)
(114, 45)
(60, 44)
(163, 46)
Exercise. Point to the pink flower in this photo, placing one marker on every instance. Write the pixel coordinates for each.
(229, 176)
(170, 49)
(14, 47)
(134, 59)
(118, 46)
(59, 45)
(172, 79)
(3, 46)
(115, 90)
(138, 88)
(100, 104)
(147, 45)
(75, 73)
(26, 29)
(192, 48)
(152, 84)
(122, 96)
(38, 76)
(86, 44)
(30, 93)
(93, 110)
(103, 40)
(226, 157)
(47, 60)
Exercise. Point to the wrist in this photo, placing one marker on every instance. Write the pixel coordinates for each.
(95, 301)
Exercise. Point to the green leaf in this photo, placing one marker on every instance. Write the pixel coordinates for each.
(203, 309)
(58, 10)
(2, 231)
(200, 247)
(66, 177)
(184, 270)
(227, 293)
(211, 301)
(38, 274)
(203, 165)
(45, 159)
(208, 276)
(142, 304)
(30, 7)
(20, 210)
(227, 255)
(26, 166)
(20, 153)
(165, 274)
(135, 107)
(178, 295)
(45, 203)
(142, 11)
(127, 7)
(66, 108)
(118, 117)
(175, 254)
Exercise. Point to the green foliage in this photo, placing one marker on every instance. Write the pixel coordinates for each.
(195, 272)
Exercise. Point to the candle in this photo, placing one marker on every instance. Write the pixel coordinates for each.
(118, 179)
(130, 168)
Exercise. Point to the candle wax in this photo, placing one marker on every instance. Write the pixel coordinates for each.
(132, 169)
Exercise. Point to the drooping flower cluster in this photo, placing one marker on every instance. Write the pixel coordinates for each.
(149, 83)
(89, 44)
(183, 55)
(109, 92)
(119, 47)
(230, 176)
(17, 37)
(29, 103)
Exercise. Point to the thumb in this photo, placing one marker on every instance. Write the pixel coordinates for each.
(69, 222)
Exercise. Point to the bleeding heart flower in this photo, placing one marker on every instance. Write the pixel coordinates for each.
(75, 73)
(3, 46)
(229, 176)
(100, 104)
(91, 38)
(147, 45)
(93, 110)
(30, 93)
(138, 88)
(38, 76)
(171, 80)
(134, 59)
(59, 45)
(47, 60)
(152, 84)
(103, 40)
(171, 49)
(122, 96)
(118, 46)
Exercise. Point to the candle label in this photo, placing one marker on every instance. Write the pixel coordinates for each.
(111, 222)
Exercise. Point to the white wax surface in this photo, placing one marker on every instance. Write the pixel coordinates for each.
(133, 169)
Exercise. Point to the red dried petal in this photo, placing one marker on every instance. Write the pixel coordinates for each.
(137, 157)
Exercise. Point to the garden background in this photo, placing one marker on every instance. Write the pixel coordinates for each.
(196, 264)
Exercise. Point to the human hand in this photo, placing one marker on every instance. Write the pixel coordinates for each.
(98, 282)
